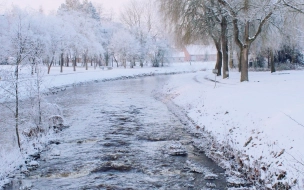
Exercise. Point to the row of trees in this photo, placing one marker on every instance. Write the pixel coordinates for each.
(245, 26)
(76, 33)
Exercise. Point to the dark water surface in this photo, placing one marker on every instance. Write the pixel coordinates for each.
(120, 137)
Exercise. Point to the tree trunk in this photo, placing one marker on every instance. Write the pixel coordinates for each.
(131, 64)
(219, 57)
(244, 63)
(218, 66)
(240, 60)
(61, 63)
(272, 61)
(49, 65)
(85, 61)
(17, 104)
(245, 54)
(268, 58)
(67, 60)
(224, 41)
(49, 69)
(107, 58)
(231, 64)
(74, 64)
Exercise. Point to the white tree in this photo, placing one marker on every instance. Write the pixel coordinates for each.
(124, 45)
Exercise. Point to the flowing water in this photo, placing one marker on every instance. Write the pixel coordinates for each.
(120, 137)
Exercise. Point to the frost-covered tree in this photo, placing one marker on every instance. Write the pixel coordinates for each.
(124, 46)
(19, 48)
(142, 20)
(85, 40)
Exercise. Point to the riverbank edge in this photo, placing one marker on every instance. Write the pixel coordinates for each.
(240, 174)
(56, 89)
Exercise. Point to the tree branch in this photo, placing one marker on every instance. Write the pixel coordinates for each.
(293, 119)
(293, 7)
(260, 27)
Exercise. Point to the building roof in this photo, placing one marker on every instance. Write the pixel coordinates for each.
(201, 49)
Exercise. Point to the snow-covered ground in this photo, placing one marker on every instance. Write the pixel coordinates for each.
(262, 120)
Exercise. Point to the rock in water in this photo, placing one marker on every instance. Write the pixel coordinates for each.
(210, 185)
(177, 149)
(211, 176)
(56, 123)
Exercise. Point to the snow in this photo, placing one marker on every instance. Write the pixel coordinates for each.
(268, 109)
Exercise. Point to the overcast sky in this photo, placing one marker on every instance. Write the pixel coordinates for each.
(49, 5)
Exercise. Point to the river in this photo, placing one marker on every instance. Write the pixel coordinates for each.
(121, 137)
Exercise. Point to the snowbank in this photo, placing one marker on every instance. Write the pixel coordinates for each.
(261, 122)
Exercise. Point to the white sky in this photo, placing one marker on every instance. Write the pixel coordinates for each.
(49, 5)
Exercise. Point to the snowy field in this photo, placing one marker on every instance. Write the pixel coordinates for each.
(261, 120)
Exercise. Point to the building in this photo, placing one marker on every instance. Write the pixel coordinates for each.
(200, 53)
(194, 53)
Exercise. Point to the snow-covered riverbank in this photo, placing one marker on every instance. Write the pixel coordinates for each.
(261, 121)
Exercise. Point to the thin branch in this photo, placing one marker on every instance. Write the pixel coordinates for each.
(293, 119)
(293, 7)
